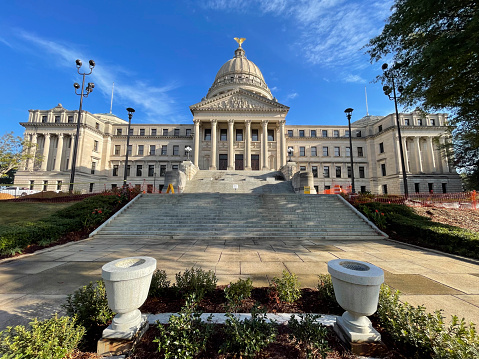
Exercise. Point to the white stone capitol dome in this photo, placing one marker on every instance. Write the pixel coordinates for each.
(239, 72)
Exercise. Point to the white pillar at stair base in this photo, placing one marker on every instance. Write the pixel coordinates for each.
(46, 150)
(248, 145)
(58, 156)
(230, 145)
(213, 145)
(197, 142)
(264, 145)
(432, 158)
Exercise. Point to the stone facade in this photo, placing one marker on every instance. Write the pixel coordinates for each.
(238, 125)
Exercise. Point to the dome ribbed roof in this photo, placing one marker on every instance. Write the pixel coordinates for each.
(239, 72)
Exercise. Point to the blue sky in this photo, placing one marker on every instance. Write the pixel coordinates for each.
(163, 55)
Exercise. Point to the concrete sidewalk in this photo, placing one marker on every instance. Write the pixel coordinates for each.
(36, 285)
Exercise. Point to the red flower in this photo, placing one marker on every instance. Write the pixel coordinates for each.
(377, 211)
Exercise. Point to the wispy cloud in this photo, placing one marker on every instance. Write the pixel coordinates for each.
(5, 42)
(292, 95)
(153, 100)
(354, 79)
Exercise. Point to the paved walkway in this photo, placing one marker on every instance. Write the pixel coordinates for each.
(36, 285)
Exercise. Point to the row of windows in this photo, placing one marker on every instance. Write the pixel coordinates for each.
(418, 122)
(337, 169)
(151, 150)
(154, 132)
(139, 170)
(70, 119)
(337, 151)
(324, 133)
(238, 133)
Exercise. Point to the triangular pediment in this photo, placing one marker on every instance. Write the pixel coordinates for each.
(239, 100)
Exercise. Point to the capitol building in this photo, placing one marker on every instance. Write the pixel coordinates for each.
(238, 126)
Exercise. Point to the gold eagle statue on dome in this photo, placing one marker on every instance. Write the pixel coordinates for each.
(239, 40)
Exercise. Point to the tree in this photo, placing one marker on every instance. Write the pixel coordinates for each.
(435, 47)
(13, 151)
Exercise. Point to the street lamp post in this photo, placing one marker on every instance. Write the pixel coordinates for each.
(348, 113)
(188, 149)
(88, 89)
(387, 91)
(130, 115)
(290, 153)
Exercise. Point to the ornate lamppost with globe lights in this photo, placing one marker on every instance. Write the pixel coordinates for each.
(188, 149)
(290, 153)
(125, 173)
(348, 113)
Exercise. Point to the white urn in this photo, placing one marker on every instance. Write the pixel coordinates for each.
(127, 281)
(356, 287)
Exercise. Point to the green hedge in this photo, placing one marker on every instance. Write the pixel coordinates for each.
(421, 230)
(87, 213)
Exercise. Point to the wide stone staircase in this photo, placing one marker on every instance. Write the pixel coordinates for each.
(238, 182)
(239, 216)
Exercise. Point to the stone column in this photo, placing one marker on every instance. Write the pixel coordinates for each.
(72, 146)
(247, 143)
(46, 148)
(264, 144)
(58, 156)
(431, 155)
(230, 145)
(213, 165)
(33, 153)
(197, 142)
(444, 158)
(417, 148)
(406, 156)
(282, 143)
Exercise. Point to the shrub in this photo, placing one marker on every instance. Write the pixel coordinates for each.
(159, 283)
(186, 335)
(424, 334)
(288, 287)
(248, 337)
(326, 292)
(53, 338)
(236, 292)
(196, 281)
(90, 305)
(309, 335)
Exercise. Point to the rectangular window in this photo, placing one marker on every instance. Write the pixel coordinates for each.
(142, 131)
(45, 185)
(153, 131)
(444, 187)
(93, 167)
(314, 169)
(325, 133)
(129, 150)
(117, 150)
(152, 150)
(314, 151)
(239, 134)
(151, 170)
(164, 150)
(59, 185)
(326, 171)
(177, 132)
(383, 169)
(223, 134)
(176, 150)
(358, 133)
(118, 131)
(162, 170)
(302, 151)
(346, 133)
(97, 125)
(130, 132)
(380, 128)
(338, 171)
(336, 133)
(115, 170)
(139, 169)
(91, 187)
(128, 170)
(419, 122)
(406, 122)
(44, 119)
(430, 187)
(188, 132)
(348, 151)
(113, 186)
(385, 189)
(361, 172)
(95, 146)
(254, 135)
(290, 133)
(337, 151)
(325, 151)
(313, 133)
(70, 119)
(140, 150)
(57, 119)
(433, 122)
(416, 187)
(207, 134)
(32, 184)
(327, 188)
(165, 132)
(360, 152)
(363, 189)
(301, 133)
(270, 135)
(174, 167)
(302, 168)
(381, 147)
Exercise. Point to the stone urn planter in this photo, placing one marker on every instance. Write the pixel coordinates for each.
(127, 282)
(356, 287)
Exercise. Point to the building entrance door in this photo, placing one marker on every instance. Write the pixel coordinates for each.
(223, 165)
(239, 164)
(255, 162)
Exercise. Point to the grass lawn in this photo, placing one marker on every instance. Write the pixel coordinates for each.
(16, 212)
